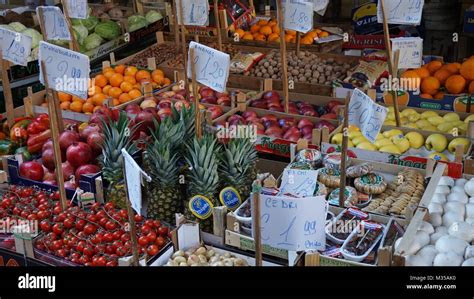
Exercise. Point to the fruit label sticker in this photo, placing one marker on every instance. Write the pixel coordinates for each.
(55, 25)
(295, 224)
(366, 114)
(401, 12)
(298, 15)
(230, 198)
(133, 177)
(16, 47)
(212, 66)
(195, 12)
(298, 182)
(66, 70)
(201, 207)
(77, 8)
(411, 51)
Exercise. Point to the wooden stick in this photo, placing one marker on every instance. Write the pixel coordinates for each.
(131, 221)
(218, 26)
(390, 61)
(345, 141)
(284, 63)
(256, 225)
(54, 119)
(183, 45)
(7, 92)
(73, 45)
(195, 95)
(298, 41)
(176, 26)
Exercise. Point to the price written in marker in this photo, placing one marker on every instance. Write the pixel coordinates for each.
(295, 224)
(411, 51)
(67, 70)
(16, 47)
(366, 114)
(77, 8)
(54, 23)
(298, 15)
(195, 12)
(212, 66)
(402, 12)
(298, 182)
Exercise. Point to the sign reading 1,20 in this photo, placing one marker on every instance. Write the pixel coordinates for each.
(212, 69)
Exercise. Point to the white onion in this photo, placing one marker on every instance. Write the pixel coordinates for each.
(436, 219)
(450, 217)
(446, 181)
(469, 187)
(439, 198)
(426, 227)
(460, 182)
(468, 263)
(428, 252)
(451, 244)
(443, 190)
(435, 208)
(447, 259)
(470, 210)
(458, 196)
(455, 207)
(462, 230)
(469, 252)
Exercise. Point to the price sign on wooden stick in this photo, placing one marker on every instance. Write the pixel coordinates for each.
(284, 63)
(218, 24)
(401, 12)
(345, 143)
(298, 15)
(54, 24)
(195, 13)
(73, 45)
(76, 9)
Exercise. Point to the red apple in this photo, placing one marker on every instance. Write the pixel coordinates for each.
(269, 117)
(270, 123)
(49, 176)
(79, 153)
(181, 103)
(222, 94)
(274, 131)
(329, 116)
(235, 119)
(293, 131)
(306, 130)
(333, 104)
(32, 170)
(179, 97)
(145, 121)
(209, 100)
(223, 100)
(304, 122)
(206, 92)
(259, 104)
(270, 95)
(325, 123)
(133, 108)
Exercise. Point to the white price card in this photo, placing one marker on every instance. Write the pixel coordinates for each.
(299, 182)
(212, 66)
(296, 224)
(401, 12)
(366, 114)
(16, 47)
(134, 181)
(66, 70)
(320, 6)
(195, 12)
(77, 8)
(411, 51)
(54, 23)
(298, 15)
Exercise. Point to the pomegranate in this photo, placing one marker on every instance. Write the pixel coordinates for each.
(91, 128)
(66, 138)
(94, 140)
(79, 153)
(68, 171)
(32, 170)
(86, 169)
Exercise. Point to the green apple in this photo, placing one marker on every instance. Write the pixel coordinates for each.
(410, 125)
(436, 142)
(469, 118)
(414, 117)
(404, 120)
(353, 134)
(391, 116)
(407, 112)
(430, 128)
(367, 146)
(337, 138)
(382, 142)
(459, 141)
(423, 123)
(428, 114)
(463, 129)
(358, 140)
(416, 139)
(446, 127)
(436, 120)
(401, 143)
(391, 133)
(391, 109)
(391, 149)
(451, 117)
(438, 157)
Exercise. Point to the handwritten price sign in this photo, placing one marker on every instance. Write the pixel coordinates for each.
(295, 224)
(54, 23)
(195, 12)
(298, 182)
(411, 51)
(366, 114)
(298, 15)
(77, 8)
(402, 12)
(134, 181)
(212, 66)
(66, 70)
(16, 47)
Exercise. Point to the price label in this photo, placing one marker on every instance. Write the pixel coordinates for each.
(212, 66)
(298, 15)
(77, 8)
(54, 23)
(298, 182)
(16, 47)
(134, 181)
(295, 224)
(411, 51)
(320, 6)
(195, 12)
(66, 70)
(366, 114)
(401, 12)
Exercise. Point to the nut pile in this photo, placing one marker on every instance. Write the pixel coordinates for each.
(203, 256)
(307, 67)
(406, 190)
(161, 53)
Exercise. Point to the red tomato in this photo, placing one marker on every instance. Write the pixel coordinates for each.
(123, 213)
(109, 206)
(143, 240)
(149, 222)
(160, 242)
(88, 250)
(156, 223)
(138, 218)
(151, 236)
(45, 226)
(145, 229)
(163, 231)
(68, 223)
(108, 237)
(121, 251)
(89, 229)
(152, 250)
(111, 225)
(80, 224)
(58, 228)
(117, 234)
(125, 237)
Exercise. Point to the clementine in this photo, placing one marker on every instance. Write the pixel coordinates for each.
(254, 28)
(76, 106)
(439, 95)
(442, 75)
(126, 86)
(88, 107)
(65, 105)
(426, 96)
(130, 79)
(262, 22)
(247, 36)
(265, 30)
(64, 97)
(106, 89)
(422, 72)
(98, 99)
(120, 69)
(273, 37)
(142, 74)
(124, 97)
(471, 88)
(430, 85)
(114, 92)
(130, 71)
(455, 84)
(107, 69)
(240, 32)
(276, 29)
(135, 93)
(433, 66)
(467, 69)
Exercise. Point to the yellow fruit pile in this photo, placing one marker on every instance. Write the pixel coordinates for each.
(269, 31)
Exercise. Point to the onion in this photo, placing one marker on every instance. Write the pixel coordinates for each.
(450, 217)
(462, 230)
(469, 187)
(436, 219)
(446, 181)
(447, 259)
(458, 196)
(455, 207)
(435, 208)
(443, 189)
(439, 198)
(461, 182)
(452, 244)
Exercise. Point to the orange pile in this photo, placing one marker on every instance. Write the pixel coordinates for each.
(269, 31)
(438, 79)
(120, 84)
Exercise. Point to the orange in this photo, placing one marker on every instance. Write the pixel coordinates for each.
(439, 95)
(265, 30)
(262, 22)
(291, 32)
(422, 72)
(124, 97)
(453, 68)
(120, 69)
(307, 40)
(240, 32)
(254, 28)
(247, 36)
(157, 72)
(157, 77)
(467, 69)
(260, 37)
(107, 69)
(115, 92)
(276, 29)
(137, 86)
(126, 86)
(142, 74)
(64, 97)
(318, 31)
(130, 71)
(323, 34)
(88, 107)
(288, 38)
(433, 66)
(414, 78)
(115, 102)
(93, 90)
(430, 86)
(426, 96)
(166, 82)
(98, 99)
(130, 79)
(442, 75)
(90, 100)
(273, 37)
(106, 89)
(76, 106)
(65, 105)
(109, 74)
(272, 23)
(100, 80)
(116, 80)
(74, 98)
(135, 93)
(471, 88)
(456, 84)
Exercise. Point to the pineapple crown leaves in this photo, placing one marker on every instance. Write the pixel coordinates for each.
(168, 132)
(239, 158)
(186, 117)
(162, 165)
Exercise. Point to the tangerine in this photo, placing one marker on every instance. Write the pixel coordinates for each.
(455, 84)
(262, 22)
(323, 34)
(124, 97)
(291, 32)
(467, 69)
(265, 30)
(288, 38)
(439, 95)
(100, 80)
(64, 97)
(93, 90)
(254, 28)
(442, 75)
(158, 78)
(142, 74)
(98, 99)
(109, 74)
(273, 37)
(106, 89)
(65, 105)
(433, 66)
(135, 93)
(120, 69)
(75, 98)
(115, 102)
(471, 88)
(276, 29)
(88, 107)
(247, 36)
(130, 71)
(116, 80)
(307, 40)
(453, 68)
(422, 72)
(166, 82)
(157, 72)
(76, 106)
(260, 37)
(115, 92)
(240, 32)
(130, 79)
(430, 86)
(126, 86)
(426, 96)
(107, 69)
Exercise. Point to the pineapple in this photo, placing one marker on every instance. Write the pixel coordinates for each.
(238, 167)
(203, 178)
(187, 118)
(161, 161)
(117, 135)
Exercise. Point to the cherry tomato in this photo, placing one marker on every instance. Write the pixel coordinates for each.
(88, 250)
(125, 237)
(108, 237)
(103, 222)
(123, 213)
(80, 224)
(68, 223)
(111, 264)
(145, 229)
(156, 223)
(58, 228)
(110, 225)
(61, 253)
(163, 231)
(109, 206)
(56, 245)
(101, 261)
(92, 218)
(138, 218)
(151, 236)
(95, 206)
(117, 234)
(121, 251)
(149, 222)
(57, 210)
(160, 242)
(89, 229)
(45, 226)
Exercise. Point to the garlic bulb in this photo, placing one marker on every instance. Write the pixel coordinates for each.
(469, 188)
(446, 181)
